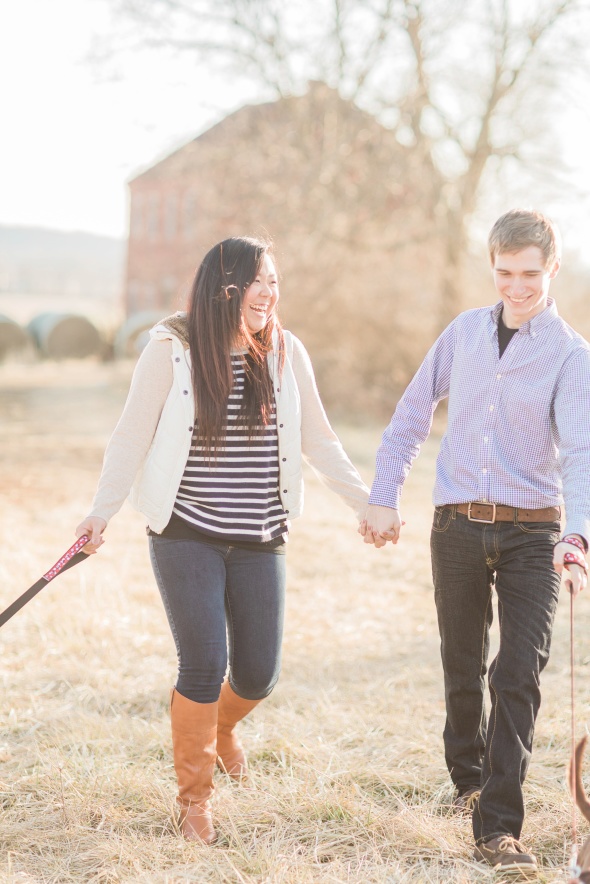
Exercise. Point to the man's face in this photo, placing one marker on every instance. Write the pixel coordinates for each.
(522, 281)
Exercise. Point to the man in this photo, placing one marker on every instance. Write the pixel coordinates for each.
(517, 447)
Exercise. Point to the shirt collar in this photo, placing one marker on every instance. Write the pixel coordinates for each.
(533, 325)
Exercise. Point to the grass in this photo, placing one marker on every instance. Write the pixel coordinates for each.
(349, 782)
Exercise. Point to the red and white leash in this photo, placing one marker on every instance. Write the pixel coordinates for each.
(574, 869)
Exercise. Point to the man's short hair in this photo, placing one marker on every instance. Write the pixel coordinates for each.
(519, 229)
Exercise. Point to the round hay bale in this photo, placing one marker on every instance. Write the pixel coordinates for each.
(133, 335)
(65, 336)
(13, 337)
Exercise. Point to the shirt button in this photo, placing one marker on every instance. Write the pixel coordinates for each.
(190, 429)
(177, 359)
(491, 407)
(284, 459)
(280, 425)
(185, 392)
(484, 470)
(498, 376)
(285, 491)
(534, 334)
(485, 439)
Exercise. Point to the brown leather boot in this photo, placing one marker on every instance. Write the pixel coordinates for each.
(194, 737)
(230, 752)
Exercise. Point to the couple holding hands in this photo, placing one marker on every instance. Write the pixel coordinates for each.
(222, 409)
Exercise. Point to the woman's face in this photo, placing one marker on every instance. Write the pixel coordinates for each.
(261, 296)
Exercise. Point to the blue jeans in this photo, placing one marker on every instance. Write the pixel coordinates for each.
(467, 559)
(222, 601)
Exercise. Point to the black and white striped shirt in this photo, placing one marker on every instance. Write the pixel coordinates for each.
(235, 496)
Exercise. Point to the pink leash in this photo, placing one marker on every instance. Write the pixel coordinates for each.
(68, 560)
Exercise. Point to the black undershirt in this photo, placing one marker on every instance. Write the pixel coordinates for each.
(505, 334)
(178, 529)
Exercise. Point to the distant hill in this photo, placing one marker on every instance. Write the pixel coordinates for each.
(37, 261)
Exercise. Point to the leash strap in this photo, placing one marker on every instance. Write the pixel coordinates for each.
(68, 560)
(574, 869)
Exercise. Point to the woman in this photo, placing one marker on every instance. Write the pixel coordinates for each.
(218, 491)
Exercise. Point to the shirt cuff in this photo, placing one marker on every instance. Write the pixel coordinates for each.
(578, 525)
(385, 497)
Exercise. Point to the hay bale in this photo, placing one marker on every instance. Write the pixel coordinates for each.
(133, 335)
(13, 337)
(65, 336)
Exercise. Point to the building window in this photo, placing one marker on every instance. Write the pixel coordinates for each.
(137, 215)
(133, 296)
(152, 216)
(189, 207)
(170, 216)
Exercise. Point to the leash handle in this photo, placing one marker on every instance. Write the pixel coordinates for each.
(66, 560)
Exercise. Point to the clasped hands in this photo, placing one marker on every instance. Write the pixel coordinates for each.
(381, 523)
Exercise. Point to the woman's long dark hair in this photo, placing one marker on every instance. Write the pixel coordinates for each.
(216, 325)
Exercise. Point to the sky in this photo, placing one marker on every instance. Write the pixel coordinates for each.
(74, 131)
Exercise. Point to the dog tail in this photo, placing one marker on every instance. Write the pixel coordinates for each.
(581, 797)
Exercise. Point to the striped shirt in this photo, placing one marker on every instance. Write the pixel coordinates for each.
(235, 496)
(518, 428)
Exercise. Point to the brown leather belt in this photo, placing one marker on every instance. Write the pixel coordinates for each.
(489, 513)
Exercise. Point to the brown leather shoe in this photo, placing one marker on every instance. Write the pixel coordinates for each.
(507, 854)
(194, 737)
(231, 757)
(464, 802)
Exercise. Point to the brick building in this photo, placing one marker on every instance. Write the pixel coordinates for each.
(342, 199)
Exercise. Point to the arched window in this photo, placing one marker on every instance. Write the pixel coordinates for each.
(170, 216)
(137, 216)
(189, 209)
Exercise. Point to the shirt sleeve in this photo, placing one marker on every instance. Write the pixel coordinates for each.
(320, 445)
(411, 422)
(133, 435)
(571, 409)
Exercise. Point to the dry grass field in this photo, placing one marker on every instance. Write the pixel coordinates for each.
(349, 782)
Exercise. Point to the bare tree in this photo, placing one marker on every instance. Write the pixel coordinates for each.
(466, 86)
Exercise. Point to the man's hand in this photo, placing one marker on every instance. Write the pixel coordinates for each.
(576, 578)
(381, 523)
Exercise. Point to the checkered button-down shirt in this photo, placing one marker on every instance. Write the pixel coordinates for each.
(518, 428)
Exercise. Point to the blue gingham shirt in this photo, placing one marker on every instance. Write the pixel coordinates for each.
(518, 428)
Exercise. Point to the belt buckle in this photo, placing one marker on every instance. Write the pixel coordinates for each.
(483, 521)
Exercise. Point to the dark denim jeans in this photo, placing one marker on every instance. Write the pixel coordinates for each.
(221, 598)
(467, 559)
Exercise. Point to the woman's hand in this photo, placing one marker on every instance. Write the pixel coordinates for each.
(93, 526)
